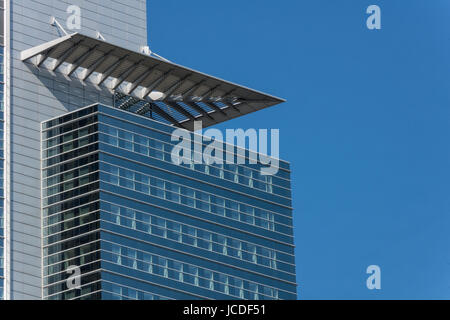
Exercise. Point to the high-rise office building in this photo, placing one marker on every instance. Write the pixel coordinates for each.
(143, 227)
(87, 114)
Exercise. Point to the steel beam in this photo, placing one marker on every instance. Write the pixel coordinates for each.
(81, 60)
(126, 73)
(62, 57)
(91, 69)
(105, 75)
(141, 79)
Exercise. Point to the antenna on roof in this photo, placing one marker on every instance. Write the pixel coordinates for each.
(55, 23)
(146, 50)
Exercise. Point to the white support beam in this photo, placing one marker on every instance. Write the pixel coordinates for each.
(192, 89)
(66, 54)
(31, 53)
(91, 69)
(126, 73)
(105, 75)
(155, 84)
(176, 86)
(72, 68)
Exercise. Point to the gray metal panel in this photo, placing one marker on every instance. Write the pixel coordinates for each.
(37, 95)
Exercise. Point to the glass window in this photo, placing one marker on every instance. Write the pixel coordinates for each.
(126, 135)
(155, 144)
(221, 283)
(189, 236)
(190, 275)
(174, 231)
(126, 183)
(204, 239)
(142, 188)
(141, 140)
(219, 244)
(236, 287)
(187, 192)
(205, 279)
(112, 131)
(124, 144)
(140, 149)
(157, 189)
(175, 270)
(252, 291)
(159, 227)
(249, 252)
(126, 174)
(234, 248)
(246, 218)
(142, 178)
(173, 226)
(173, 192)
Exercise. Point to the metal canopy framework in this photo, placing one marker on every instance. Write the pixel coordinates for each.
(183, 95)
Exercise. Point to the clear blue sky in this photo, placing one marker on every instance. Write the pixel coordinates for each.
(366, 127)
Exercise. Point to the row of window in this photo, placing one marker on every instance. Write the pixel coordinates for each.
(212, 170)
(233, 173)
(159, 188)
(192, 236)
(73, 183)
(187, 196)
(58, 272)
(66, 125)
(88, 149)
(69, 175)
(117, 292)
(162, 189)
(160, 150)
(68, 215)
(90, 282)
(88, 292)
(208, 169)
(73, 144)
(68, 166)
(188, 274)
(52, 264)
(80, 190)
(159, 145)
(173, 231)
(69, 137)
(192, 202)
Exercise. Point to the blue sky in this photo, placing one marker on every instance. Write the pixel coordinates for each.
(366, 127)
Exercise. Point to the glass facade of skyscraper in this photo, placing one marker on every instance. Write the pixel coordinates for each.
(141, 227)
(2, 156)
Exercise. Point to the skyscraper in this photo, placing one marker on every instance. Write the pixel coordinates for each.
(87, 182)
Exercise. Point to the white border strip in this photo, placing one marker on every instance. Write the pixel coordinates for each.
(7, 163)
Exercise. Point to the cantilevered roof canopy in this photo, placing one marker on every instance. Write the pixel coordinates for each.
(188, 95)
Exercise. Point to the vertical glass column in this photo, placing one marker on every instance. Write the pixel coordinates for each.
(70, 194)
(2, 156)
